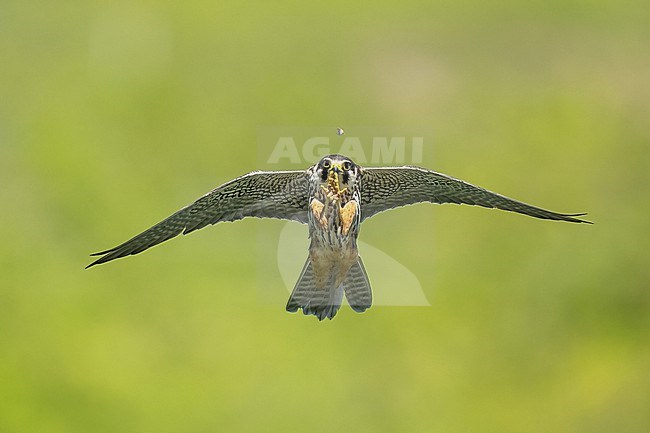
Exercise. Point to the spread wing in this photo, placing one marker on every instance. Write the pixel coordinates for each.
(271, 194)
(384, 188)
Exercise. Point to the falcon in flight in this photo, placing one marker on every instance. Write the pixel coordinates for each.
(333, 198)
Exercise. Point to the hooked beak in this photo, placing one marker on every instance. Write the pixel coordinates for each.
(336, 176)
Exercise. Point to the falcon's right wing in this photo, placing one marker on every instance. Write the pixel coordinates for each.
(262, 194)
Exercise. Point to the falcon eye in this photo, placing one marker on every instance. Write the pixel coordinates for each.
(347, 165)
(327, 163)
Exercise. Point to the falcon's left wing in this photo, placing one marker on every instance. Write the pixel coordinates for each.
(262, 194)
(384, 188)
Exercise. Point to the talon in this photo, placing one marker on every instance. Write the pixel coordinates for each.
(348, 213)
(317, 210)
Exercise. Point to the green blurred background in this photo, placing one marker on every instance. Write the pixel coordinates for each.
(114, 114)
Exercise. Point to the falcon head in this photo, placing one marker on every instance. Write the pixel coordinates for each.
(337, 172)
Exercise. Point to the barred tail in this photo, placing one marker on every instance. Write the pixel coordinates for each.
(320, 302)
(357, 288)
(326, 302)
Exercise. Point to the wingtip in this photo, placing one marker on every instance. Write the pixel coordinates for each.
(101, 259)
(574, 215)
(96, 262)
(101, 253)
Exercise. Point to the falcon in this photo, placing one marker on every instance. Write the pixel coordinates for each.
(333, 198)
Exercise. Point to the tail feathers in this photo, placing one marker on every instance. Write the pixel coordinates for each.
(319, 302)
(357, 288)
(326, 302)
